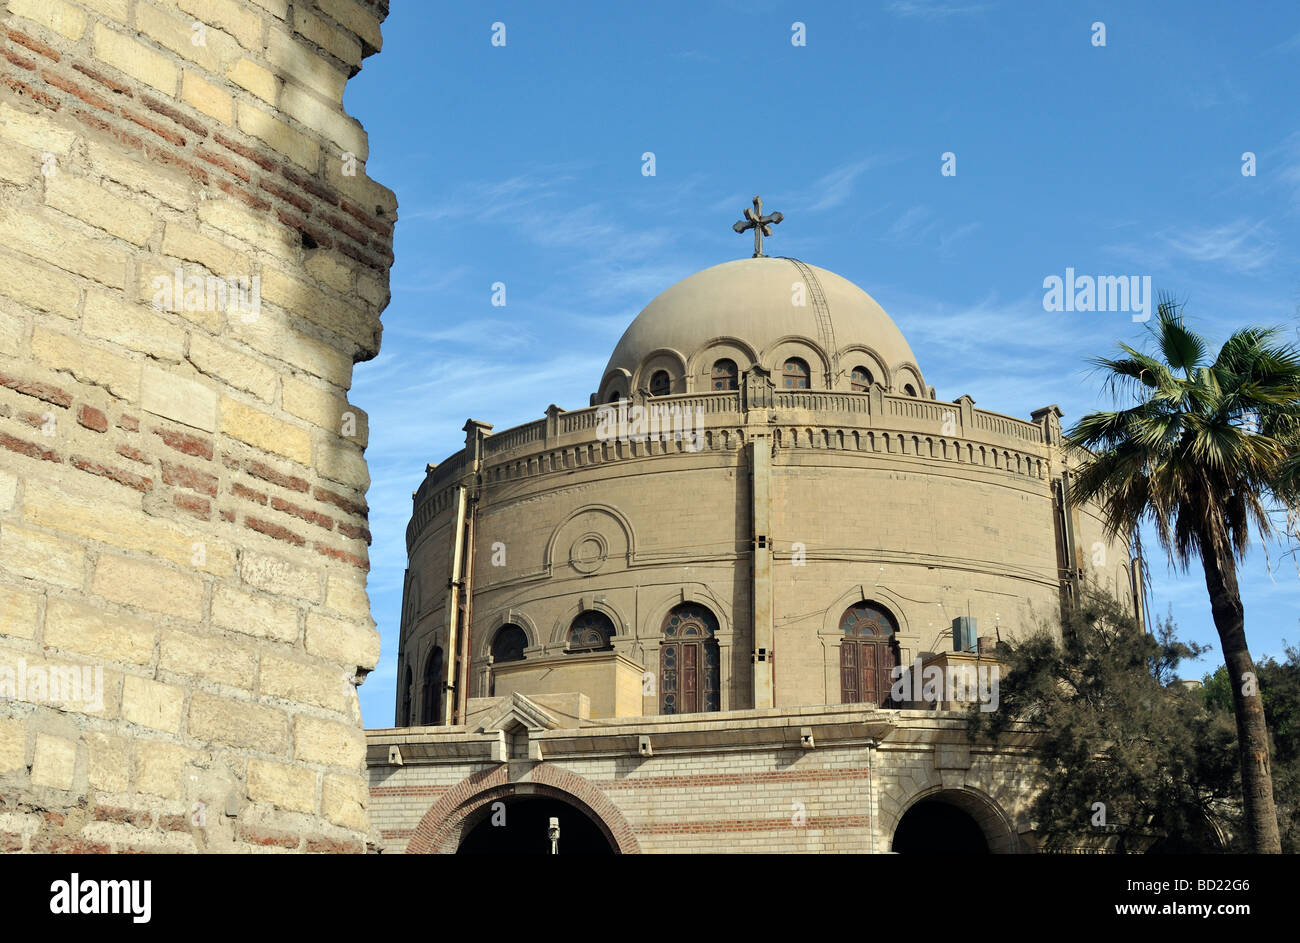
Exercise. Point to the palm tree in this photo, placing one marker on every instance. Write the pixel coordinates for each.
(1200, 456)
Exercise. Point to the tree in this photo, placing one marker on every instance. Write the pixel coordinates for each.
(1131, 760)
(1199, 456)
(1279, 685)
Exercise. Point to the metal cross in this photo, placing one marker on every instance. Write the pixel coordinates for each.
(762, 225)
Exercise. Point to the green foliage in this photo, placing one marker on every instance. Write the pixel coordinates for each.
(1113, 730)
(1207, 450)
(1279, 688)
(1205, 447)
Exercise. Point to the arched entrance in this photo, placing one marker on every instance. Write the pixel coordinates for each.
(933, 826)
(953, 822)
(463, 808)
(517, 825)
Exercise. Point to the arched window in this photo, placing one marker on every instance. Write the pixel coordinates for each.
(795, 376)
(688, 661)
(508, 644)
(408, 688)
(860, 379)
(615, 396)
(868, 654)
(431, 690)
(725, 375)
(660, 384)
(592, 631)
(909, 389)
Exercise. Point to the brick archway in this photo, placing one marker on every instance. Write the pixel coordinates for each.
(983, 810)
(441, 828)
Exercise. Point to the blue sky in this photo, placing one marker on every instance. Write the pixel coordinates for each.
(522, 164)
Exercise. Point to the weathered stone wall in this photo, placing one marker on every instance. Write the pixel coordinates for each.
(182, 481)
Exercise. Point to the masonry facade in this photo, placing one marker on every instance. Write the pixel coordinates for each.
(734, 588)
(192, 258)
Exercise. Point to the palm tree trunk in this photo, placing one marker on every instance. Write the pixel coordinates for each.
(1252, 733)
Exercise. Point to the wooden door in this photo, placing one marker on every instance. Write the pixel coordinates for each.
(866, 667)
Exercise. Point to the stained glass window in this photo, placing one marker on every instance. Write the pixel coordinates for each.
(868, 654)
(592, 631)
(508, 644)
(795, 375)
(689, 678)
(725, 375)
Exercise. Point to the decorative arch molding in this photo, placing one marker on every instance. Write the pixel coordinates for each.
(661, 358)
(650, 637)
(483, 640)
(988, 815)
(794, 345)
(863, 592)
(850, 356)
(622, 628)
(905, 371)
(830, 637)
(442, 826)
(620, 379)
(700, 366)
(698, 593)
(548, 562)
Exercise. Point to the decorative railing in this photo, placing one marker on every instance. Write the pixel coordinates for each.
(926, 410)
(579, 419)
(874, 421)
(1005, 425)
(513, 438)
(824, 401)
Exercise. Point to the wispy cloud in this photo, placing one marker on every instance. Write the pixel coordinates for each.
(489, 200)
(948, 237)
(834, 188)
(1239, 245)
(934, 9)
(1287, 156)
(431, 280)
(919, 225)
(1288, 45)
(913, 224)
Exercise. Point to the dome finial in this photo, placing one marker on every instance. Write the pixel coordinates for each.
(762, 225)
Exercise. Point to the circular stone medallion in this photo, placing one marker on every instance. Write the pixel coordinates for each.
(588, 553)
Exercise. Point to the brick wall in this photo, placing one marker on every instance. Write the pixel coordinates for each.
(192, 258)
(726, 793)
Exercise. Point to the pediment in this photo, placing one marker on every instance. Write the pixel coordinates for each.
(519, 711)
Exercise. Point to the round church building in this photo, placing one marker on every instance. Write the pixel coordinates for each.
(699, 614)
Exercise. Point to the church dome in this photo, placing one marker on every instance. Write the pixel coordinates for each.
(762, 311)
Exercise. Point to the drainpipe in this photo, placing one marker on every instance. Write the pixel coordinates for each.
(1067, 531)
(467, 509)
(450, 700)
(462, 683)
(871, 794)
